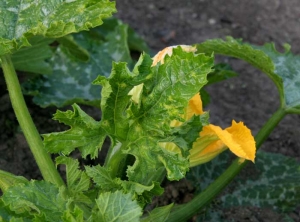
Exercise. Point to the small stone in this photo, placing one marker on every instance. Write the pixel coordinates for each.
(212, 21)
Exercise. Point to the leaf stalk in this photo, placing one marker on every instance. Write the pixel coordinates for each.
(42, 158)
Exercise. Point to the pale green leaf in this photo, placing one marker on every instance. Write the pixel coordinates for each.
(116, 207)
(39, 198)
(85, 134)
(8, 179)
(159, 214)
(71, 80)
(8, 215)
(22, 19)
(73, 216)
(77, 180)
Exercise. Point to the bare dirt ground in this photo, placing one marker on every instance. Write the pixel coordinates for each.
(250, 98)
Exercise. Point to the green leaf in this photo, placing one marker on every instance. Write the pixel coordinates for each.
(77, 180)
(8, 179)
(276, 184)
(38, 198)
(282, 68)
(188, 132)
(33, 59)
(8, 215)
(287, 67)
(73, 216)
(74, 51)
(102, 178)
(71, 80)
(140, 128)
(166, 91)
(236, 48)
(159, 214)
(21, 20)
(116, 207)
(85, 134)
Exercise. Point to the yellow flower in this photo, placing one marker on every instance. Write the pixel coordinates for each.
(212, 139)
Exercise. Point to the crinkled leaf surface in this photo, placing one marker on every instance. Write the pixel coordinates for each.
(38, 198)
(8, 215)
(166, 91)
(85, 134)
(282, 68)
(55, 18)
(71, 80)
(9, 179)
(102, 178)
(116, 206)
(139, 128)
(77, 180)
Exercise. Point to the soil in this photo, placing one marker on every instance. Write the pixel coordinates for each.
(250, 98)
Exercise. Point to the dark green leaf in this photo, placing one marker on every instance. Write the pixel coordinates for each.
(74, 51)
(33, 59)
(71, 80)
(20, 20)
(276, 185)
(287, 67)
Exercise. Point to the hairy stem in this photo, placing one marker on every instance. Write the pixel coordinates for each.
(186, 211)
(32, 136)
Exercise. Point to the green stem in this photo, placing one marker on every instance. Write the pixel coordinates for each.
(115, 160)
(32, 136)
(186, 211)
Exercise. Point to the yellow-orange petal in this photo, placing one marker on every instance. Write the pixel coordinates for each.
(194, 107)
(242, 135)
(159, 57)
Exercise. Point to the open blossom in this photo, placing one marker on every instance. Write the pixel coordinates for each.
(212, 139)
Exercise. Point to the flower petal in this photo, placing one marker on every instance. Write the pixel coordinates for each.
(242, 135)
(159, 57)
(194, 107)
